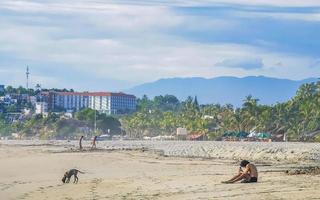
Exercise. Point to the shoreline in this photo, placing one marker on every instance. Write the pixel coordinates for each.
(275, 153)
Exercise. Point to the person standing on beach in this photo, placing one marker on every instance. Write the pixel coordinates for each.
(80, 142)
(94, 142)
(248, 173)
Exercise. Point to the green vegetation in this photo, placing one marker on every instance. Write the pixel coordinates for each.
(163, 114)
(296, 118)
(21, 90)
(54, 126)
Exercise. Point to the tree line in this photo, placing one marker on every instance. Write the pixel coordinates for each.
(56, 126)
(297, 118)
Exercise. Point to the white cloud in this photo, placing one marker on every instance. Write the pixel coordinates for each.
(312, 17)
(123, 59)
(281, 3)
(130, 42)
(244, 63)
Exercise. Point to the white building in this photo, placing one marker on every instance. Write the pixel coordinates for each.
(41, 107)
(104, 102)
(182, 133)
(8, 100)
(112, 103)
(70, 100)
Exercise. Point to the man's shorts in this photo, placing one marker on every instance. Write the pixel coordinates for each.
(252, 180)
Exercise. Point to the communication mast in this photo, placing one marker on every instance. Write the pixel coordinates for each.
(27, 75)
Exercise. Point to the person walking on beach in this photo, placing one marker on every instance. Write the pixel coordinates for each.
(94, 142)
(248, 173)
(80, 142)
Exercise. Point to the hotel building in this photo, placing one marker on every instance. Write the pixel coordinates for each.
(104, 102)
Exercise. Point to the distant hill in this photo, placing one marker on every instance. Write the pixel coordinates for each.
(223, 90)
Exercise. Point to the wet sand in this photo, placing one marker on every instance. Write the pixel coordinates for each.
(35, 172)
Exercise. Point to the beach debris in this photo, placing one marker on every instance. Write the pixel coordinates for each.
(312, 170)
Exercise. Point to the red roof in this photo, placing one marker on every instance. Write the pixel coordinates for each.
(70, 93)
(194, 136)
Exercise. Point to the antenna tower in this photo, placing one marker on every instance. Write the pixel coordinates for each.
(27, 74)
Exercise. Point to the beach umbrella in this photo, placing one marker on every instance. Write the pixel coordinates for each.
(227, 134)
(264, 135)
(233, 134)
(230, 134)
(242, 134)
(252, 134)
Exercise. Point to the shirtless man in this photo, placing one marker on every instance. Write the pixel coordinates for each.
(248, 173)
(94, 142)
(80, 142)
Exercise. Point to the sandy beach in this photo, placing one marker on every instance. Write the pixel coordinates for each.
(153, 170)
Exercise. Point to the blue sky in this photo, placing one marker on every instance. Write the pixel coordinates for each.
(113, 45)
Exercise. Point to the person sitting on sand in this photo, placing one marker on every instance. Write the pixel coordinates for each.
(248, 173)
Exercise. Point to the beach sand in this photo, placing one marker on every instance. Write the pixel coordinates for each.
(35, 172)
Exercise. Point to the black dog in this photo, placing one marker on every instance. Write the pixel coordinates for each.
(69, 174)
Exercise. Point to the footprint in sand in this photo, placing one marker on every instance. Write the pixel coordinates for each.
(24, 196)
(93, 188)
(156, 195)
(5, 186)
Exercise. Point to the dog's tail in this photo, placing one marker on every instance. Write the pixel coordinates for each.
(80, 171)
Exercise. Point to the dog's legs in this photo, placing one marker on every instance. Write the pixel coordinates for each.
(75, 179)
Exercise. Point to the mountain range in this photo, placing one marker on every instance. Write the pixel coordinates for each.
(223, 90)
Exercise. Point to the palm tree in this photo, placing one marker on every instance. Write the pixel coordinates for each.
(250, 106)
